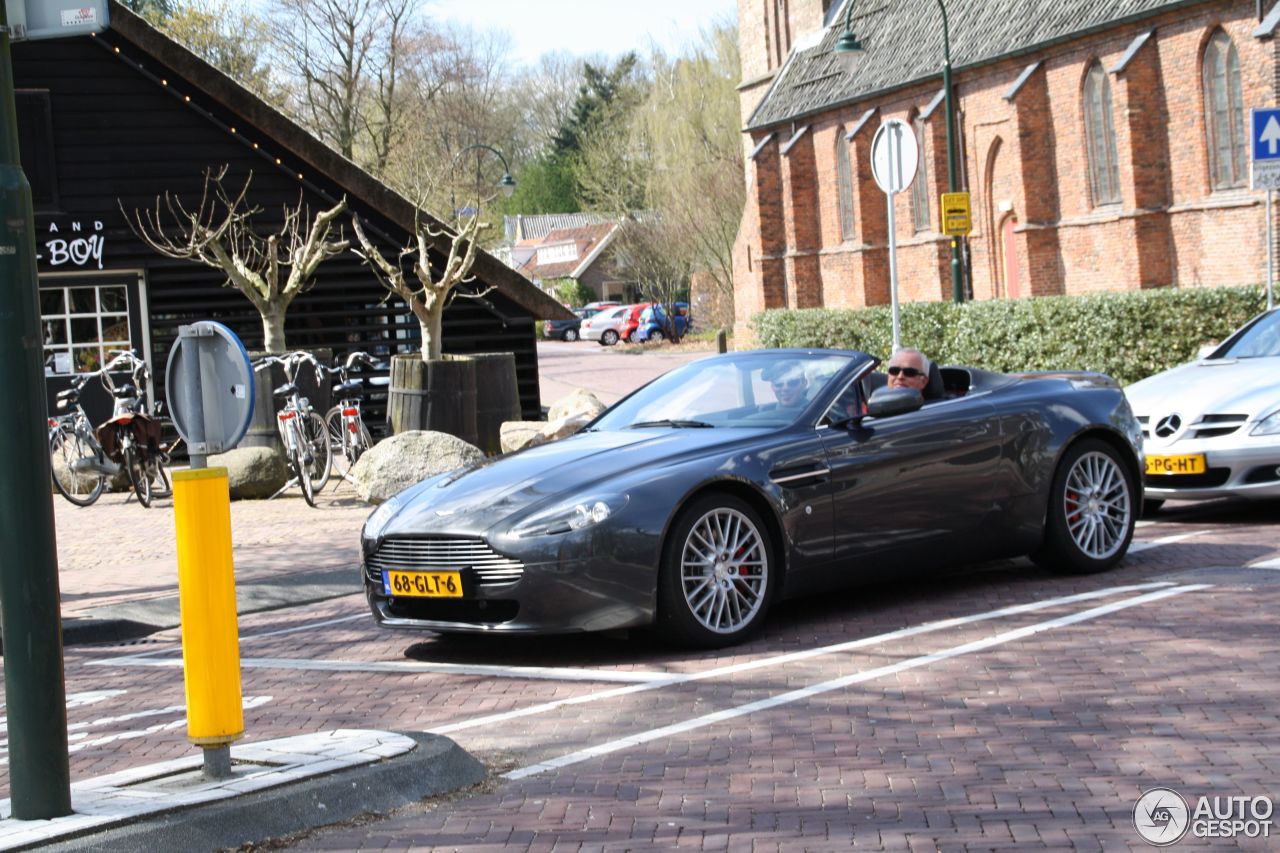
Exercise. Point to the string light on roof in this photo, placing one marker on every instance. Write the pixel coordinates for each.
(232, 129)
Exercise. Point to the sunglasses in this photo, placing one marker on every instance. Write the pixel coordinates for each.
(909, 372)
(788, 383)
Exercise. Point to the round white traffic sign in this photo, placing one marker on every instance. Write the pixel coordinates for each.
(894, 156)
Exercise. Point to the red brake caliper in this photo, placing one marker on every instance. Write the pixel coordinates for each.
(1074, 498)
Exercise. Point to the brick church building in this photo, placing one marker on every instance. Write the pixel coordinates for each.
(1104, 144)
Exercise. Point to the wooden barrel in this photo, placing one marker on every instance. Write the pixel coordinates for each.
(497, 397)
(438, 395)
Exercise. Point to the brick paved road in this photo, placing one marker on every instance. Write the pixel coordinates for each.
(1011, 731)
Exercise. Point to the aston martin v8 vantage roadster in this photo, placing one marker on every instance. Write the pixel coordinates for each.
(729, 483)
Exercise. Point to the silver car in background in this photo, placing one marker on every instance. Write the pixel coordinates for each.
(604, 327)
(1211, 428)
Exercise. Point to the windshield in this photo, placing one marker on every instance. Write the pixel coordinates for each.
(1260, 340)
(755, 389)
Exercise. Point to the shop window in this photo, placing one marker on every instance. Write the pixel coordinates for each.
(82, 325)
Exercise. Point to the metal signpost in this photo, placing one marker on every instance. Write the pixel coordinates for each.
(894, 158)
(35, 689)
(209, 383)
(1264, 161)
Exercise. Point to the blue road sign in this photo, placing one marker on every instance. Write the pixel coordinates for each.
(1266, 134)
(1264, 147)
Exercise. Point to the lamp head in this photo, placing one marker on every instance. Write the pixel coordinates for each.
(848, 50)
(507, 184)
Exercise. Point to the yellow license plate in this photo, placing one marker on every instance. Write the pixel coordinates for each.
(423, 584)
(1192, 463)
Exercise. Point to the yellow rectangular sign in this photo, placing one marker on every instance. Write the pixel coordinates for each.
(956, 218)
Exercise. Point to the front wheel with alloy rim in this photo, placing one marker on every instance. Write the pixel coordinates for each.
(716, 579)
(1093, 506)
(570, 335)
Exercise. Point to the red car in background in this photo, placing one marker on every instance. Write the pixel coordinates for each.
(632, 322)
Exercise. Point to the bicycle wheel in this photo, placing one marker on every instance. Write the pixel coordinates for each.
(137, 474)
(160, 485)
(301, 469)
(82, 487)
(345, 447)
(315, 436)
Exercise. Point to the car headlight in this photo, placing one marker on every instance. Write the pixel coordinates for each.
(379, 517)
(1270, 425)
(571, 515)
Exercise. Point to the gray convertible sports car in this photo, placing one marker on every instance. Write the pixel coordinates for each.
(717, 489)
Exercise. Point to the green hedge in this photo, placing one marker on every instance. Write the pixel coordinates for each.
(1127, 335)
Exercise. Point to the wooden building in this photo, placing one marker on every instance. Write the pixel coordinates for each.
(110, 123)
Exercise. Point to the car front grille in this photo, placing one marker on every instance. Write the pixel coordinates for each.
(435, 555)
(1209, 426)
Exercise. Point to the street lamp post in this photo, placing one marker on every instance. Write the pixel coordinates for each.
(848, 47)
(506, 183)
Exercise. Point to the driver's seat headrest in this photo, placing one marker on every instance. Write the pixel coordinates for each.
(935, 390)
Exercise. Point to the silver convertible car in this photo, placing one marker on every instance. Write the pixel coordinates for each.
(702, 498)
(1211, 428)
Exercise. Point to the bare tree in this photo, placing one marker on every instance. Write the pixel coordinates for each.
(270, 271)
(434, 289)
(351, 59)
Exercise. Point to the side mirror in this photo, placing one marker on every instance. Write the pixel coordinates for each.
(886, 402)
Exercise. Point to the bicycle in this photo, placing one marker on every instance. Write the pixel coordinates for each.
(305, 437)
(349, 438)
(82, 457)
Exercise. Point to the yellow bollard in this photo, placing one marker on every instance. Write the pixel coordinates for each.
(207, 593)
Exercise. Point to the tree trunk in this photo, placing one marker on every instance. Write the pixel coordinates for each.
(431, 332)
(273, 331)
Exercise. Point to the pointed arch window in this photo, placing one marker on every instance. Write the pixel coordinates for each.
(1100, 134)
(844, 186)
(920, 186)
(1224, 113)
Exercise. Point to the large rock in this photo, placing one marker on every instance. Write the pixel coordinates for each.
(517, 435)
(580, 402)
(252, 472)
(396, 463)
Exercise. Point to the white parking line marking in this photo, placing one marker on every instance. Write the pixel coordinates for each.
(845, 681)
(74, 733)
(1265, 564)
(537, 672)
(778, 660)
(75, 700)
(1137, 547)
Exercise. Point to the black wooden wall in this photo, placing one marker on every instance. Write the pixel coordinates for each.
(126, 129)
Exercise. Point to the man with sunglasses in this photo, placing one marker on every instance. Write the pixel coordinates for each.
(908, 368)
(789, 383)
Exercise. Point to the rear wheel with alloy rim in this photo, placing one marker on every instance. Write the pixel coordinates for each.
(1092, 511)
(609, 338)
(716, 578)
